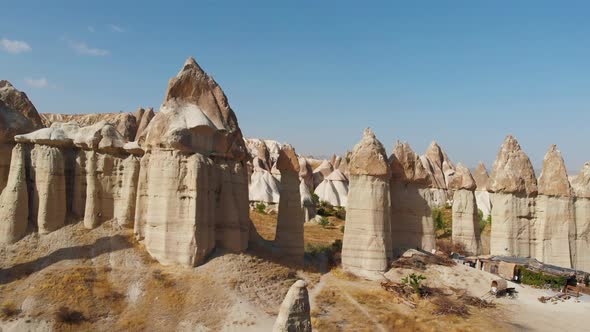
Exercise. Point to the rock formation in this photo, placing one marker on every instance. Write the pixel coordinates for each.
(309, 208)
(264, 187)
(17, 116)
(294, 313)
(322, 171)
(465, 219)
(193, 191)
(125, 123)
(367, 238)
(14, 200)
(514, 187)
(554, 232)
(143, 119)
(306, 173)
(412, 225)
(581, 188)
(289, 234)
(482, 196)
(333, 189)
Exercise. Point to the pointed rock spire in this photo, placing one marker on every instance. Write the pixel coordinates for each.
(406, 165)
(369, 157)
(512, 171)
(288, 160)
(554, 180)
(17, 114)
(462, 179)
(481, 177)
(581, 182)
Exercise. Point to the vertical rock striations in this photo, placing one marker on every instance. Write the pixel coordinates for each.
(193, 186)
(514, 187)
(581, 188)
(465, 220)
(14, 200)
(367, 238)
(412, 225)
(289, 234)
(294, 313)
(555, 226)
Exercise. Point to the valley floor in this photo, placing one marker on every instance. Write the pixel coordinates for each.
(102, 279)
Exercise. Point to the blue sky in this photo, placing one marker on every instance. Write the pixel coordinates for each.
(315, 73)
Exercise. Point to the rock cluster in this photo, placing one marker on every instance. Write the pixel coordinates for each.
(177, 176)
(465, 219)
(545, 219)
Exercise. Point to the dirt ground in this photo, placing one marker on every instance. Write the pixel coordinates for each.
(102, 279)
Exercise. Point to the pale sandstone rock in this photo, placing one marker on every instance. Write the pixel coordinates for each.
(412, 225)
(195, 118)
(125, 123)
(49, 188)
(555, 225)
(461, 179)
(264, 187)
(177, 207)
(17, 114)
(512, 171)
(514, 188)
(231, 226)
(289, 233)
(334, 189)
(14, 200)
(437, 162)
(581, 187)
(482, 196)
(133, 148)
(306, 173)
(320, 172)
(309, 208)
(465, 221)
(367, 237)
(5, 157)
(294, 313)
(258, 149)
(146, 118)
(111, 189)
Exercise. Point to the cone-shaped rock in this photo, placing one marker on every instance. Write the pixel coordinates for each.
(195, 117)
(289, 234)
(323, 170)
(482, 196)
(306, 173)
(146, 118)
(412, 225)
(17, 114)
(514, 186)
(367, 238)
(334, 189)
(555, 228)
(294, 313)
(14, 200)
(581, 187)
(465, 220)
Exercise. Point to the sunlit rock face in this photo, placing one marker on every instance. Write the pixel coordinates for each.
(482, 196)
(465, 219)
(289, 235)
(555, 227)
(412, 197)
(514, 188)
(581, 189)
(367, 247)
(193, 190)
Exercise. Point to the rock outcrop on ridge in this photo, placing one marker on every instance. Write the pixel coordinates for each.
(289, 234)
(322, 171)
(482, 196)
(412, 225)
(366, 246)
(294, 313)
(465, 219)
(514, 187)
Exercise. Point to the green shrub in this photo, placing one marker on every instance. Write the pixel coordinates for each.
(340, 213)
(260, 207)
(316, 199)
(414, 280)
(324, 222)
(540, 279)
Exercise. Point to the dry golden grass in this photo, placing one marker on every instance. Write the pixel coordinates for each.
(266, 224)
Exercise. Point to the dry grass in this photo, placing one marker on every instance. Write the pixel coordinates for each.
(447, 246)
(8, 310)
(266, 225)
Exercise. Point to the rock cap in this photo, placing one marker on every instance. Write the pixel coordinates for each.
(512, 171)
(369, 157)
(554, 179)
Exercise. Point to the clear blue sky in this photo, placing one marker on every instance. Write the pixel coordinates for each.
(315, 73)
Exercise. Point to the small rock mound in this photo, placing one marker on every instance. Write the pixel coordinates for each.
(294, 315)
